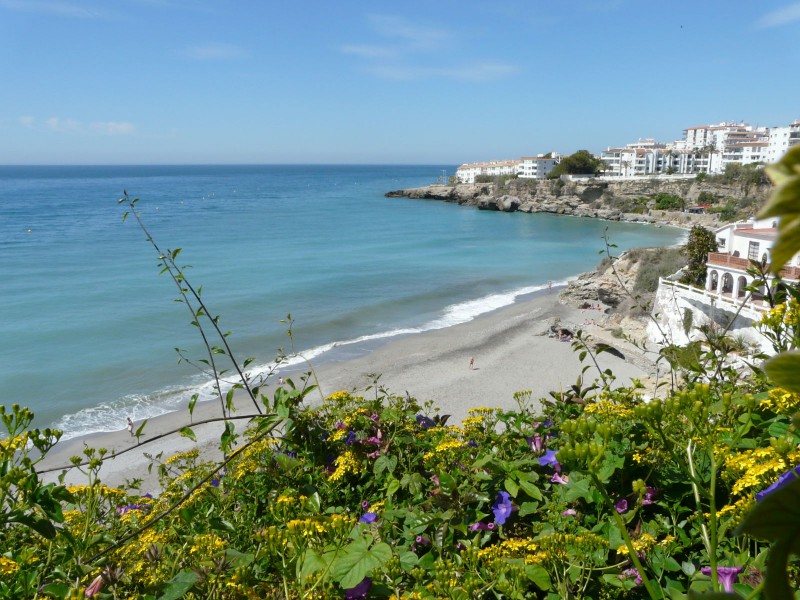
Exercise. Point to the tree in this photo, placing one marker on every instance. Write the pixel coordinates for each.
(701, 241)
(582, 162)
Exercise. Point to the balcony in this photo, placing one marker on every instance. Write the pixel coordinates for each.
(737, 262)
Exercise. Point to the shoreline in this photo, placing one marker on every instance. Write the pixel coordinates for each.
(511, 351)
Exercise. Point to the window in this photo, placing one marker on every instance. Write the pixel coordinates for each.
(752, 251)
(721, 242)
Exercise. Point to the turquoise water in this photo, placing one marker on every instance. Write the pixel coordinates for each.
(89, 327)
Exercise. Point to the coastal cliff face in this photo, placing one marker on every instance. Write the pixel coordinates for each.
(613, 200)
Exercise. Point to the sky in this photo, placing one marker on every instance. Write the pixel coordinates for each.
(412, 82)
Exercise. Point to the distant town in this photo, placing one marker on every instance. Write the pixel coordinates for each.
(703, 149)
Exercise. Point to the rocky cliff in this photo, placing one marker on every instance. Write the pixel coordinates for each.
(630, 200)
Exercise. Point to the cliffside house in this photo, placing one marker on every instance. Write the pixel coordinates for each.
(527, 167)
(724, 301)
(737, 245)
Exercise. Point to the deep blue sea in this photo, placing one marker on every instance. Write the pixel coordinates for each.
(88, 326)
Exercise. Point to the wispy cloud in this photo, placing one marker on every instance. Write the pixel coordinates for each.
(215, 51)
(474, 73)
(61, 125)
(51, 7)
(782, 16)
(402, 43)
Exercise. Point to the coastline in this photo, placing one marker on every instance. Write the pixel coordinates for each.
(510, 347)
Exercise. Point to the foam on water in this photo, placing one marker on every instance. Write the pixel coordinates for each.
(111, 416)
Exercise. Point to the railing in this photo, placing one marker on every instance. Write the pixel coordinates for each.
(723, 259)
(750, 310)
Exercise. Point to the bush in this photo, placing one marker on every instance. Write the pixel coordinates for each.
(669, 202)
(662, 262)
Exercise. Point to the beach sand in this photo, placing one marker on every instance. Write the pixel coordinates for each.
(511, 352)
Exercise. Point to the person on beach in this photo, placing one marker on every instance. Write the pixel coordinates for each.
(471, 362)
(130, 426)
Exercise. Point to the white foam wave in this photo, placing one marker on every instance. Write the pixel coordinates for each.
(111, 416)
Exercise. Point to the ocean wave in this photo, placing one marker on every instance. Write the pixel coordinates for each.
(111, 416)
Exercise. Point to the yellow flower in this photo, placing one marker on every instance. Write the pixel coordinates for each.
(8, 566)
(345, 463)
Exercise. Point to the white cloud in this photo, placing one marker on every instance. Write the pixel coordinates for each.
(367, 51)
(73, 126)
(475, 73)
(405, 40)
(782, 16)
(113, 128)
(418, 37)
(216, 52)
(62, 125)
(53, 7)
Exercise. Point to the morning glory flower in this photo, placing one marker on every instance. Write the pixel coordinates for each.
(360, 591)
(783, 480)
(629, 573)
(536, 444)
(726, 576)
(502, 507)
(621, 505)
(425, 422)
(559, 478)
(549, 459)
(649, 495)
(570, 512)
(479, 526)
(351, 437)
(368, 517)
(422, 540)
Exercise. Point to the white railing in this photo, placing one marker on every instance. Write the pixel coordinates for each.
(750, 310)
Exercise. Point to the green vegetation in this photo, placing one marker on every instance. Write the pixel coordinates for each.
(669, 202)
(655, 263)
(602, 494)
(580, 163)
(701, 241)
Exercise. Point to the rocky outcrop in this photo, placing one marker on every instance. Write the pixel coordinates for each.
(629, 200)
(605, 286)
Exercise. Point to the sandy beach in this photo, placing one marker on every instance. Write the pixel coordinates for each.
(510, 347)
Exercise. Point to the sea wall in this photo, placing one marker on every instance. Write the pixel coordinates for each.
(594, 198)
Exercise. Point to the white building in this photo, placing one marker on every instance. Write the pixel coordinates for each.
(738, 244)
(724, 303)
(536, 167)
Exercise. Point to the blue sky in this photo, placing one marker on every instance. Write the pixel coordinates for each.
(445, 82)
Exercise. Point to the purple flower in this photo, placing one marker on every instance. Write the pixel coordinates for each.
(435, 480)
(351, 437)
(549, 459)
(360, 591)
(726, 576)
(629, 573)
(548, 423)
(375, 418)
(365, 504)
(783, 480)
(480, 526)
(368, 517)
(536, 444)
(570, 512)
(559, 478)
(502, 507)
(649, 495)
(472, 444)
(121, 510)
(425, 422)
(621, 505)
(422, 540)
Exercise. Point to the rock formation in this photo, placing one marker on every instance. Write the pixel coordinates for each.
(629, 200)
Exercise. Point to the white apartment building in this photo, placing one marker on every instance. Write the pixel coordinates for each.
(535, 167)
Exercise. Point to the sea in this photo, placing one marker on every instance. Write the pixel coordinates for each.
(89, 327)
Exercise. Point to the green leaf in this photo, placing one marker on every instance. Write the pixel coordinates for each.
(358, 561)
(408, 560)
(447, 483)
(787, 243)
(141, 428)
(784, 370)
(59, 590)
(179, 585)
(538, 575)
(716, 596)
(392, 486)
(384, 463)
(188, 433)
(315, 561)
(528, 508)
(531, 489)
(511, 487)
(688, 568)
